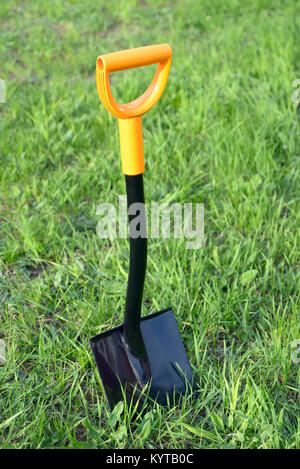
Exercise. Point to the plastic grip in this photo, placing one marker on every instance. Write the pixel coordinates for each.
(131, 58)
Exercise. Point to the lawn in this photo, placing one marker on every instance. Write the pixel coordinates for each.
(226, 134)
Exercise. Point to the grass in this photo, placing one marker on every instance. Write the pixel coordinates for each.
(226, 134)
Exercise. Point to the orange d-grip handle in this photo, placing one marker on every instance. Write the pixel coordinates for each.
(129, 114)
(131, 58)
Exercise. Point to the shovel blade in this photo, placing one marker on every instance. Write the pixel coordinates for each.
(171, 373)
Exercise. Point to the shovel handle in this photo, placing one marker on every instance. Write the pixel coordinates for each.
(132, 58)
(129, 114)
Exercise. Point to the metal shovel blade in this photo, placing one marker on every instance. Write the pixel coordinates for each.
(171, 373)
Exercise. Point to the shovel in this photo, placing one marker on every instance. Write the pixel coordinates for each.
(144, 357)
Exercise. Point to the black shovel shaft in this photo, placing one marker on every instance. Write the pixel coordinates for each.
(137, 268)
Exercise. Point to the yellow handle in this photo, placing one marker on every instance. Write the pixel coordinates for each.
(129, 115)
(131, 58)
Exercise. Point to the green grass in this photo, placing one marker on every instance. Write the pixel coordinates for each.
(225, 133)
